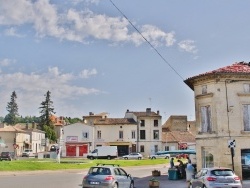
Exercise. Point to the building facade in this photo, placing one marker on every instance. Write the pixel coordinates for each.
(222, 107)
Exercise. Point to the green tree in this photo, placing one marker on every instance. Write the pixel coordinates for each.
(47, 110)
(12, 108)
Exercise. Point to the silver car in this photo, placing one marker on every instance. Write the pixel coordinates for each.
(159, 156)
(107, 176)
(215, 177)
(133, 156)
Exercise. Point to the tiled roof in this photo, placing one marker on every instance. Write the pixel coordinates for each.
(114, 121)
(144, 114)
(239, 68)
(178, 136)
(11, 129)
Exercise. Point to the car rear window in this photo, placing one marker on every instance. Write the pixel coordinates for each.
(222, 172)
(99, 171)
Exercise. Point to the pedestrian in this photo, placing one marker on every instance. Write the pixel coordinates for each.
(181, 169)
(189, 172)
(172, 162)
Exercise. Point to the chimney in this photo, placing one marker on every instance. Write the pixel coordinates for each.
(91, 113)
(33, 125)
(158, 112)
(148, 111)
(127, 110)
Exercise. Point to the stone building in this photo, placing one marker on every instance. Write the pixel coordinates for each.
(222, 110)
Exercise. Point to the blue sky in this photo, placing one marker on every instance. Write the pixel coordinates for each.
(92, 60)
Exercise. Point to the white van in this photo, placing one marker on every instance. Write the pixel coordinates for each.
(103, 152)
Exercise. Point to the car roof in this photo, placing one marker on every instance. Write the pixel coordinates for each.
(217, 168)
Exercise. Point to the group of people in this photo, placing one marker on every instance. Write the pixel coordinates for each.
(184, 170)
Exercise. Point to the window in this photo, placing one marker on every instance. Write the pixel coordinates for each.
(246, 117)
(204, 89)
(206, 119)
(207, 159)
(156, 134)
(142, 123)
(142, 134)
(85, 135)
(156, 148)
(246, 88)
(99, 134)
(141, 148)
(120, 134)
(155, 123)
(133, 134)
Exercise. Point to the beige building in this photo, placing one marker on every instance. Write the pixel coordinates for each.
(136, 132)
(149, 131)
(222, 107)
(178, 133)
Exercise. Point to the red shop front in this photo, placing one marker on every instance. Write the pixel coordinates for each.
(76, 149)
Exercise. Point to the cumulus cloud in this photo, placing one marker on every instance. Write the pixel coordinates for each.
(53, 80)
(6, 62)
(75, 25)
(188, 46)
(87, 73)
(12, 32)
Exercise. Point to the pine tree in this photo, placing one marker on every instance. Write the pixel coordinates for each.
(12, 108)
(47, 110)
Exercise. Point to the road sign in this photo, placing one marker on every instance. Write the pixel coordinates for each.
(231, 143)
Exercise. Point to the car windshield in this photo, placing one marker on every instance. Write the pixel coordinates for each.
(99, 171)
(222, 172)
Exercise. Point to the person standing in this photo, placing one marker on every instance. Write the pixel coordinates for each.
(172, 162)
(189, 172)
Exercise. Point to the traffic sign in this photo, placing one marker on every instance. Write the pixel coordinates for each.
(231, 143)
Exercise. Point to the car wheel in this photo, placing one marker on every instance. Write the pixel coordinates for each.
(167, 157)
(153, 157)
(139, 158)
(115, 185)
(131, 185)
(204, 186)
(126, 158)
(109, 158)
(91, 157)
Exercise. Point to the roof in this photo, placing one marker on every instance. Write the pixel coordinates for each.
(11, 129)
(240, 68)
(145, 114)
(114, 121)
(178, 136)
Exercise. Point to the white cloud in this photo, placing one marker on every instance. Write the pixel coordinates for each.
(12, 32)
(188, 46)
(76, 25)
(6, 62)
(87, 73)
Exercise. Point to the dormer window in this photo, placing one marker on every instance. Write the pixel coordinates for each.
(204, 89)
(246, 88)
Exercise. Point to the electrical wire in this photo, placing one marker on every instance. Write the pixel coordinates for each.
(146, 40)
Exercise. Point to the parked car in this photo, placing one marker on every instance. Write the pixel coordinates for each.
(159, 156)
(6, 155)
(215, 177)
(107, 176)
(28, 153)
(133, 156)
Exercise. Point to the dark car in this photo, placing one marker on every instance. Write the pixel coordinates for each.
(6, 155)
(107, 176)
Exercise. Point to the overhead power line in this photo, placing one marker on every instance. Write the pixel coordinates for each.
(146, 40)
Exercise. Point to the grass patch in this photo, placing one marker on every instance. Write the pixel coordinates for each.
(66, 163)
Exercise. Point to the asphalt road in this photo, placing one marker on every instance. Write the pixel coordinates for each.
(73, 178)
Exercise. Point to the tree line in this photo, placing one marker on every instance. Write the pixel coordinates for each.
(44, 121)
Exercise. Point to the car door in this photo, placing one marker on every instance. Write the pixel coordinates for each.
(125, 179)
(120, 179)
(196, 182)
